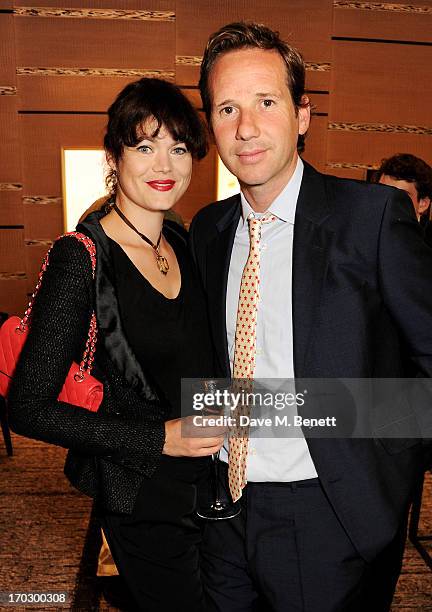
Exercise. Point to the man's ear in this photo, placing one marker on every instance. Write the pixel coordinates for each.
(423, 205)
(304, 115)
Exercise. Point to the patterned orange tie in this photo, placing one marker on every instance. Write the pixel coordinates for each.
(245, 353)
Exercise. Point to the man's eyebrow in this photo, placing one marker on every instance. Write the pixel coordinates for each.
(224, 103)
(258, 94)
(266, 94)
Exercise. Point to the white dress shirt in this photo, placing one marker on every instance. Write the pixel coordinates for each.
(269, 458)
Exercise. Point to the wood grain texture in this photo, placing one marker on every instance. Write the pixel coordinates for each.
(351, 173)
(11, 208)
(73, 93)
(93, 13)
(43, 221)
(381, 83)
(84, 43)
(12, 251)
(316, 143)
(304, 25)
(10, 149)
(372, 147)
(13, 295)
(130, 5)
(386, 21)
(296, 21)
(7, 50)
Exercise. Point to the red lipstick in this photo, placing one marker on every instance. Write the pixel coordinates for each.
(161, 185)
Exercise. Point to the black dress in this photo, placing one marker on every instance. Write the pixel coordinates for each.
(158, 545)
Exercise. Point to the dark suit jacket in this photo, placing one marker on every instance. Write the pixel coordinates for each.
(362, 308)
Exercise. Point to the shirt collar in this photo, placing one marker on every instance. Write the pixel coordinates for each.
(284, 205)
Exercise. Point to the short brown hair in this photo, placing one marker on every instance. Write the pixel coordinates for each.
(243, 35)
(407, 167)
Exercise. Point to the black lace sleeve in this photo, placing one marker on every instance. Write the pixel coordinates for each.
(58, 331)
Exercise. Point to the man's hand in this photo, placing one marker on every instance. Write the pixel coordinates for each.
(181, 439)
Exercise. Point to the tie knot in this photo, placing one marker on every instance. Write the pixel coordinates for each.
(255, 225)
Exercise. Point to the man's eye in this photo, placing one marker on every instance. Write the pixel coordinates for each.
(267, 103)
(227, 110)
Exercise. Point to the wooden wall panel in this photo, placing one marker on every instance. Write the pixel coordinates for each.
(151, 5)
(316, 143)
(94, 43)
(44, 136)
(371, 147)
(351, 173)
(43, 221)
(398, 20)
(7, 49)
(70, 93)
(381, 83)
(12, 251)
(306, 26)
(320, 102)
(13, 295)
(11, 208)
(10, 156)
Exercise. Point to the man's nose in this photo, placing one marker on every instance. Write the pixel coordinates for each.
(247, 127)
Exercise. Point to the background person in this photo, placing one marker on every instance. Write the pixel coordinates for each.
(410, 173)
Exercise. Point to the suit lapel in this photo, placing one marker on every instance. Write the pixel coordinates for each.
(310, 259)
(218, 259)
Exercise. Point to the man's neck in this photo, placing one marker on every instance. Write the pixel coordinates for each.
(261, 197)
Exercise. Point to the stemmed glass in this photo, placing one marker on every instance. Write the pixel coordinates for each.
(219, 509)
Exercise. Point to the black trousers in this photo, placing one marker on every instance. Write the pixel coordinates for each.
(287, 552)
(157, 547)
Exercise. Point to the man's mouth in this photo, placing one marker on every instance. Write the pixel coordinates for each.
(250, 157)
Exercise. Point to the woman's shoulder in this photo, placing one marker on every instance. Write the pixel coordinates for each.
(71, 252)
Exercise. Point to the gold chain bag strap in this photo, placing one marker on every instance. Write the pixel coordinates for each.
(80, 388)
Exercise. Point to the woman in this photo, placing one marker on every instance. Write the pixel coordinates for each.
(152, 331)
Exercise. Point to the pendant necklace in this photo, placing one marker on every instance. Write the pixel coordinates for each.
(160, 259)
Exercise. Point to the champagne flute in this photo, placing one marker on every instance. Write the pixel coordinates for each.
(219, 508)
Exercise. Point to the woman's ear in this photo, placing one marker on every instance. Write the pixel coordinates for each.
(110, 161)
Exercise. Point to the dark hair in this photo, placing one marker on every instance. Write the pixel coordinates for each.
(152, 99)
(243, 35)
(407, 167)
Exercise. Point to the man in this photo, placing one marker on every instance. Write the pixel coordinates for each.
(345, 290)
(413, 175)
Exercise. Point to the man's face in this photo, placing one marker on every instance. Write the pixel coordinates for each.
(420, 205)
(254, 121)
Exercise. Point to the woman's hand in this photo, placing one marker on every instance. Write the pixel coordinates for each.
(181, 439)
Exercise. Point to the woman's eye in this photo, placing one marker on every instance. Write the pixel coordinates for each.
(144, 149)
(180, 150)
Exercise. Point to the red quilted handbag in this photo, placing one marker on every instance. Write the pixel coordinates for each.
(80, 388)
